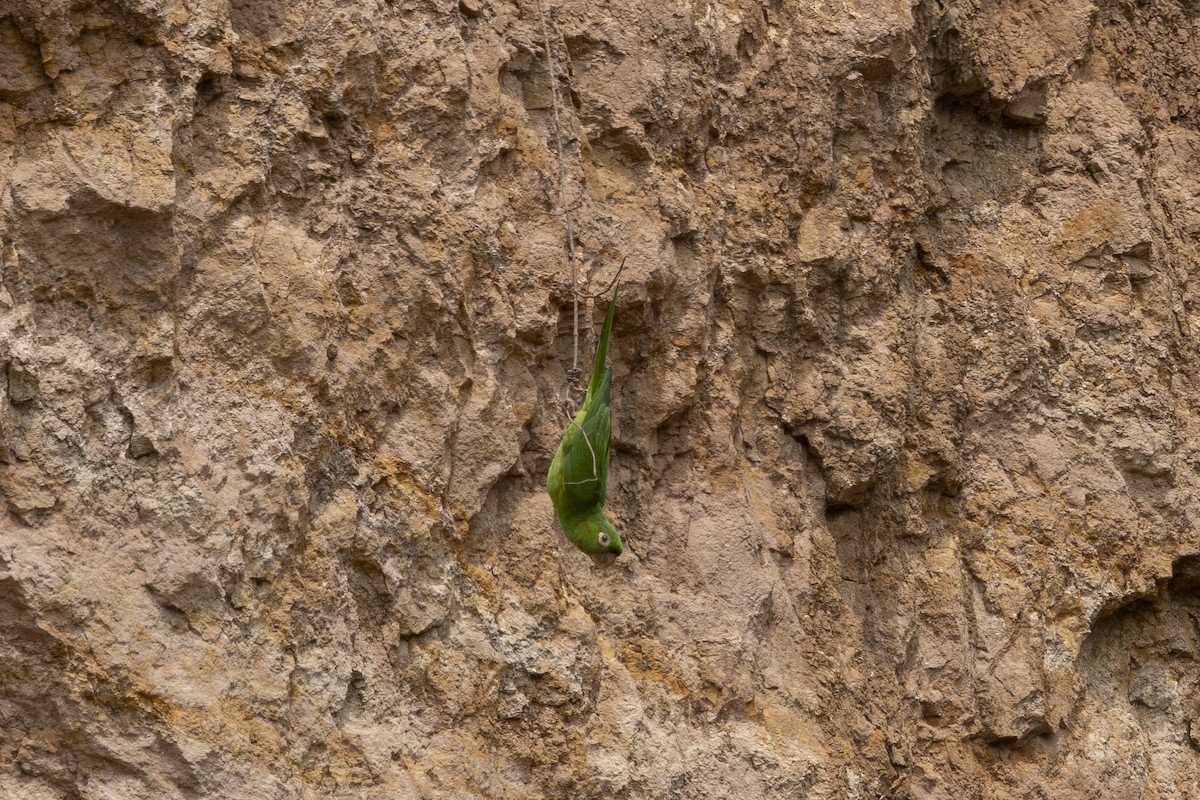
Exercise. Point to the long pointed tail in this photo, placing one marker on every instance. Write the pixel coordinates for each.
(602, 348)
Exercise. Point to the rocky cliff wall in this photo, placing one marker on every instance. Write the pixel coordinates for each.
(906, 399)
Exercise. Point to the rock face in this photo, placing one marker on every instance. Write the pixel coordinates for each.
(906, 399)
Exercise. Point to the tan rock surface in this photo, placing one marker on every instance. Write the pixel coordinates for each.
(906, 399)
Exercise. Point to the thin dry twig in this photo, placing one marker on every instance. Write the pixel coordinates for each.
(604, 292)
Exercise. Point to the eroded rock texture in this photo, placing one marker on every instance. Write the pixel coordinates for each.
(906, 399)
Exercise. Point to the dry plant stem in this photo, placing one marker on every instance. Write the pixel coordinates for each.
(562, 191)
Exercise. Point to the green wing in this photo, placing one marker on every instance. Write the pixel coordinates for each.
(584, 451)
(579, 472)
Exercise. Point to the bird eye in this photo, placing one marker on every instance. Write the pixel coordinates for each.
(604, 540)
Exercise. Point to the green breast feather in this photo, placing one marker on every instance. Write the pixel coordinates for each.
(578, 478)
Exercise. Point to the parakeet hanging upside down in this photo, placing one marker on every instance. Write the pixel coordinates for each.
(578, 477)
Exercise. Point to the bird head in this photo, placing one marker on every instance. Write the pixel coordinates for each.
(601, 538)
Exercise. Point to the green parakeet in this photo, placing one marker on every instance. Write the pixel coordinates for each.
(578, 477)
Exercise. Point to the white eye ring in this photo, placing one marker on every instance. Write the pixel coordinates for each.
(604, 540)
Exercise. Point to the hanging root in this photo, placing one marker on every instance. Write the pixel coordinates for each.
(564, 208)
(573, 394)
